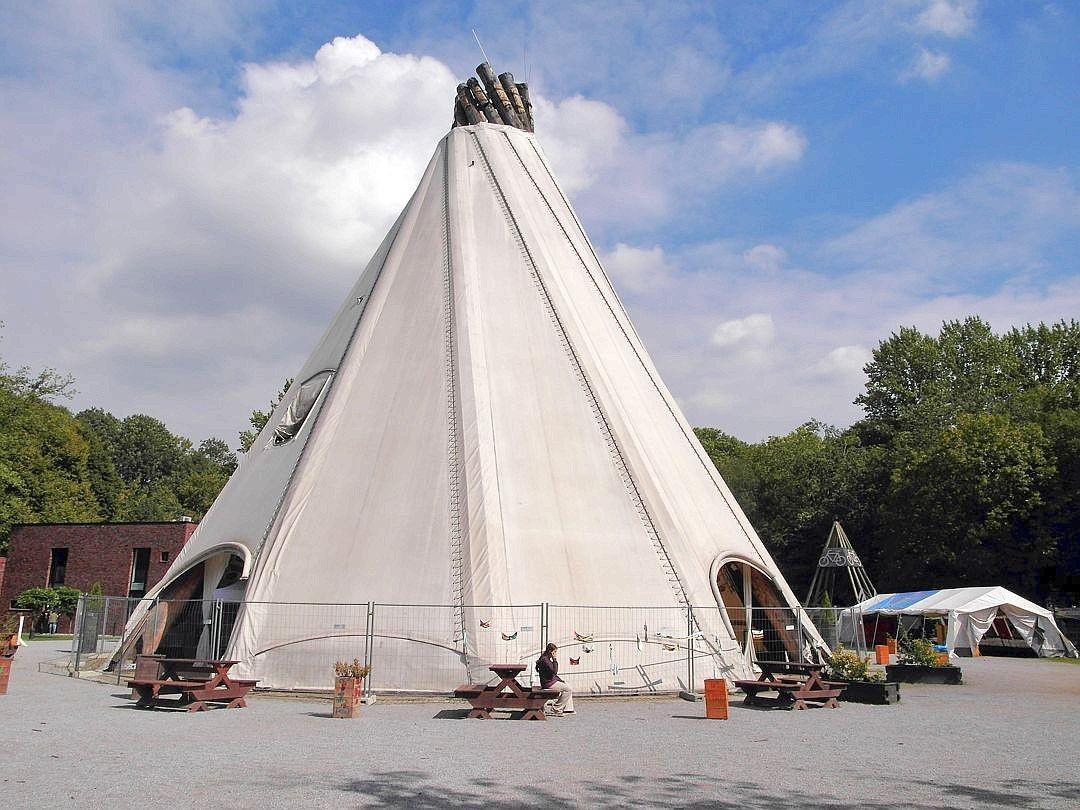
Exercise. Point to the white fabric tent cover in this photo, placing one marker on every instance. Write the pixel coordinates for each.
(480, 425)
(970, 613)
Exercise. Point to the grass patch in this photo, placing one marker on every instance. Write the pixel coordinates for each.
(1063, 660)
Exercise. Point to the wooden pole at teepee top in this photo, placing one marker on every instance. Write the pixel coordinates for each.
(493, 100)
(498, 95)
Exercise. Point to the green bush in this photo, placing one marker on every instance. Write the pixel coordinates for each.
(918, 651)
(848, 665)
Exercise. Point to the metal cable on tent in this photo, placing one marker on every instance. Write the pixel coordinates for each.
(452, 420)
(601, 419)
(611, 310)
(707, 464)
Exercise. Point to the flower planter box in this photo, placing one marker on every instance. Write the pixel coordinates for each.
(5, 672)
(917, 673)
(878, 693)
(347, 696)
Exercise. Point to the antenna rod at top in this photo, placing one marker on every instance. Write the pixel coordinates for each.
(482, 51)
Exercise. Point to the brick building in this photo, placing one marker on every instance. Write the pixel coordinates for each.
(126, 558)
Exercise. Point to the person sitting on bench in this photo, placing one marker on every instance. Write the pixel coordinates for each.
(548, 670)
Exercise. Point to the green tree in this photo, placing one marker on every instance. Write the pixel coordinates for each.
(44, 456)
(146, 452)
(965, 503)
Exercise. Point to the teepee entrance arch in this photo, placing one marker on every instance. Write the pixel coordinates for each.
(760, 619)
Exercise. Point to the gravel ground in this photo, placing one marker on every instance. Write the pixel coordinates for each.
(1006, 738)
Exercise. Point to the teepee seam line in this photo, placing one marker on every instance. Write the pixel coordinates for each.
(592, 278)
(457, 563)
(614, 451)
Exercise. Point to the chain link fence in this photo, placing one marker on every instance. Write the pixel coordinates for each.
(434, 648)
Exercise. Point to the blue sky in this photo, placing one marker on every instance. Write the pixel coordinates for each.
(774, 186)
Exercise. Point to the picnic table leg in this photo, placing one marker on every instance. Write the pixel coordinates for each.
(146, 697)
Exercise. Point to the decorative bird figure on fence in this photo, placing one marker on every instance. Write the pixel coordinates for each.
(582, 637)
(485, 625)
(509, 637)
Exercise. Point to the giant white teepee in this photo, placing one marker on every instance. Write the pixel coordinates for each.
(480, 429)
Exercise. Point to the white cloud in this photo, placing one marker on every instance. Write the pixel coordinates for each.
(999, 219)
(927, 66)
(582, 137)
(843, 361)
(642, 181)
(639, 270)
(951, 18)
(756, 329)
(765, 258)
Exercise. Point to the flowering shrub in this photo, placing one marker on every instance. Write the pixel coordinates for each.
(848, 665)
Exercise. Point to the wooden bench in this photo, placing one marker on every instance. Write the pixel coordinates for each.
(525, 702)
(199, 684)
(790, 693)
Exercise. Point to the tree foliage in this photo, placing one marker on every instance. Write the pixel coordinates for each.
(964, 470)
(56, 467)
(62, 599)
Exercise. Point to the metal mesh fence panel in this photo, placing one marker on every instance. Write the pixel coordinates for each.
(295, 645)
(603, 649)
(621, 649)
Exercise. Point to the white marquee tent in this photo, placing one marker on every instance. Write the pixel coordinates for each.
(970, 613)
(481, 425)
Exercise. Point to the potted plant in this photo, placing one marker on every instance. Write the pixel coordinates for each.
(918, 663)
(9, 635)
(348, 686)
(862, 685)
(8, 647)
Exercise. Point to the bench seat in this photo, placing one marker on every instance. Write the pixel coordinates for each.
(469, 690)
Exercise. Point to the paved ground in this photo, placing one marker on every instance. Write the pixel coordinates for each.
(1007, 738)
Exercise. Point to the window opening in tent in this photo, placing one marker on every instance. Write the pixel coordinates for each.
(763, 624)
(307, 394)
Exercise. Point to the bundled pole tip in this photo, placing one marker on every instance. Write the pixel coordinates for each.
(493, 100)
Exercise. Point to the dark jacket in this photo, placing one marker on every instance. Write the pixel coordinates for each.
(548, 669)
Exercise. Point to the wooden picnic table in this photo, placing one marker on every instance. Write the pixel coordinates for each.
(526, 702)
(199, 683)
(794, 682)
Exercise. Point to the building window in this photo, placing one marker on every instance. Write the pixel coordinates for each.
(164, 556)
(140, 567)
(57, 567)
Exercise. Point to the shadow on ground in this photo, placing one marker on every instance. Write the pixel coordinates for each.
(418, 790)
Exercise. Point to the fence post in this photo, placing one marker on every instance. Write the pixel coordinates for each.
(76, 639)
(689, 649)
(543, 626)
(799, 633)
(369, 645)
